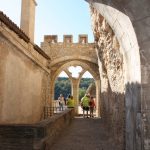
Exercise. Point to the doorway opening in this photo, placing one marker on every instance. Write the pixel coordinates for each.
(86, 86)
(62, 85)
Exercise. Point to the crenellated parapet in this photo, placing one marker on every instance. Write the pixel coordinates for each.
(59, 51)
(82, 39)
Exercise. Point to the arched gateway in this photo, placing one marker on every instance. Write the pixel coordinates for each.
(125, 25)
(65, 54)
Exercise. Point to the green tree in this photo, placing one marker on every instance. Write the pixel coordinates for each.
(63, 86)
(82, 92)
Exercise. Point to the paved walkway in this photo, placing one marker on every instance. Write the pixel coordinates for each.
(83, 134)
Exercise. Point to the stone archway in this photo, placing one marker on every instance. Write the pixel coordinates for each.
(126, 25)
(75, 82)
(66, 52)
(111, 33)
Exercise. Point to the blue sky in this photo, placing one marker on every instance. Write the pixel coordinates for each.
(54, 17)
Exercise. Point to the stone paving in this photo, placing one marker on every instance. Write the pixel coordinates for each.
(84, 134)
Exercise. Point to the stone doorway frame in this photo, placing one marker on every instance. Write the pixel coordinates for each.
(75, 90)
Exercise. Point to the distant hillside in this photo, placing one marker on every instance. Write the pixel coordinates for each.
(63, 86)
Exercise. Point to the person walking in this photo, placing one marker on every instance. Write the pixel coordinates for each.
(70, 102)
(85, 105)
(92, 106)
(61, 102)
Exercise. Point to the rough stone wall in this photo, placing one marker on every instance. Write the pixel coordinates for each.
(112, 78)
(39, 136)
(130, 21)
(64, 54)
(23, 80)
(62, 51)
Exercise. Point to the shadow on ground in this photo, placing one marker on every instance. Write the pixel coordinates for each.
(84, 134)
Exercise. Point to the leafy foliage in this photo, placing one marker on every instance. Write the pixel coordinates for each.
(63, 86)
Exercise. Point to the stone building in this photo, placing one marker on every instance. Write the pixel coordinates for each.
(118, 60)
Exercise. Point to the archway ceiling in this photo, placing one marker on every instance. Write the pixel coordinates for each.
(118, 4)
(79, 57)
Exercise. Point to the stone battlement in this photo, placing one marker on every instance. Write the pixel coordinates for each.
(58, 50)
(82, 39)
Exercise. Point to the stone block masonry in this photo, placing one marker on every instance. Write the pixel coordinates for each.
(39, 136)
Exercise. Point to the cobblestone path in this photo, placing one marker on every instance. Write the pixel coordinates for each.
(83, 134)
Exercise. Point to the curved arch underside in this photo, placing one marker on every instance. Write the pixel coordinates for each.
(129, 20)
(91, 67)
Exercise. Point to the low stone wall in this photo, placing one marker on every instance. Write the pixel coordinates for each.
(38, 136)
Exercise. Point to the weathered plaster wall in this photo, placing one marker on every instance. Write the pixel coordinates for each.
(130, 23)
(21, 89)
(23, 80)
(112, 78)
